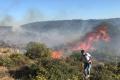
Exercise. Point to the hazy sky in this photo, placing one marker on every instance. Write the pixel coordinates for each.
(60, 9)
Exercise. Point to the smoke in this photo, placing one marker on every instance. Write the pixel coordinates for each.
(103, 38)
(6, 20)
(62, 34)
(53, 37)
(33, 15)
(99, 33)
(56, 34)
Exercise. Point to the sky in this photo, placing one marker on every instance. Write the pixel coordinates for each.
(59, 9)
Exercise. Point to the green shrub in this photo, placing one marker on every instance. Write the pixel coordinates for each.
(14, 60)
(36, 50)
(6, 61)
(40, 77)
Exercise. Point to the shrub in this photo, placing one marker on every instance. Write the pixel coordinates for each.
(36, 50)
(14, 60)
(6, 61)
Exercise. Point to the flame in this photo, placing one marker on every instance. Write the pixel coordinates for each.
(100, 33)
(86, 43)
(56, 54)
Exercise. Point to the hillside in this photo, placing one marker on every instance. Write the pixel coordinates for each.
(60, 34)
(64, 30)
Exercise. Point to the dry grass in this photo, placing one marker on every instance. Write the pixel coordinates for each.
(7, 78)
(4, 74)
(2, 68)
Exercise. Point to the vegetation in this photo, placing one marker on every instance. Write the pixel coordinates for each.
(37, 64)
(37, 50)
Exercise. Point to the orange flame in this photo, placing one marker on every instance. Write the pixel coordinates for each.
(56, 54)
(100, 33)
